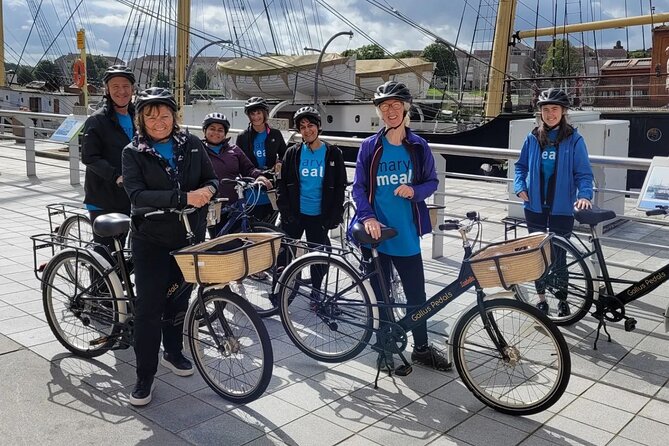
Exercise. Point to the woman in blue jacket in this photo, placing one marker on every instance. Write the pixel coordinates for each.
(394, 174)
(553, 176)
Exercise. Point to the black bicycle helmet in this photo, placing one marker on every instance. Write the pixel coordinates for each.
(392, 90)
(118, 70)
(309, 113)
(255, 103)
(218, 118)
(154, 95)
(553, 96)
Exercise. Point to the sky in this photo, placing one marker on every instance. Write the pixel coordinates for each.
(296, 24)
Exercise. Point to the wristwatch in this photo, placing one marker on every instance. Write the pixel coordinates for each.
(211, 189)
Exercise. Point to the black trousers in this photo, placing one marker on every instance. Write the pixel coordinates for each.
(316, 233)
(560, 225)
(156, 275)
(412, 276)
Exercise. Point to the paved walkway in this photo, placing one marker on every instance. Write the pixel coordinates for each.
(618, 395)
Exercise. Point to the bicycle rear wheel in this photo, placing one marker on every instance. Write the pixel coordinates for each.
(77, 227)
(258, 289)
(233, 351)
(347, 216)
(535, 372)
(568, 285)
(77, 303)
(331, 323)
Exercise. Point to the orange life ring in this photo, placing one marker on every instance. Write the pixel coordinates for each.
(79, 73)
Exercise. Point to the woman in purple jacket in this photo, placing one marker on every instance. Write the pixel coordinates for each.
(394, 175)
(228, 160)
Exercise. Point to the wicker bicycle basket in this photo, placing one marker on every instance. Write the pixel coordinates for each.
(511, 262)
(229, 257)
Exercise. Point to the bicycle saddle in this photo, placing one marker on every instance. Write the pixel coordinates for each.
(360, 236)
(593, 216)
(111, 225)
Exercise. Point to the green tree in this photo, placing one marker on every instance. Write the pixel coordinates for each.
(562, 59)
(95, 68)
(161, 80)
(366, 52)
(447, 64)
(48, 72)
(23, 76)
(638, 54)
(403, 54)
(200, 79)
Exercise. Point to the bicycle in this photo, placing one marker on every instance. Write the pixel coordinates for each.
(89, 305)
(75, 224)
(508, 354)
(573, 282)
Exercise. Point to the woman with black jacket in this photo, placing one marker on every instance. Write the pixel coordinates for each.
(163, 167)
(312, 184)
(264, 146)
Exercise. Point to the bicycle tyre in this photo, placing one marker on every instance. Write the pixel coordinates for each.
(578, 292)
(347, 216)
(241, 369)
(84, 322)
(259, 289)
(77, 227)
(325, 327)
(538, 372)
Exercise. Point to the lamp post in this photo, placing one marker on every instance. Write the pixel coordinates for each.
(190, 64)
(320, 59)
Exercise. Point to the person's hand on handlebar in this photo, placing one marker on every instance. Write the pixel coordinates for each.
(373, 228)
(265, 182)
(199, 197)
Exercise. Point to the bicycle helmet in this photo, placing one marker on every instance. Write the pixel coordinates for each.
(154, 95)
(392, 90)
(255, 103)
(307, 112)
(218, 118)
(118, 70)
(553, 96)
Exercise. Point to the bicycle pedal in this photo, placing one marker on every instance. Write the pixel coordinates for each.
(630, 324)
(403, 370)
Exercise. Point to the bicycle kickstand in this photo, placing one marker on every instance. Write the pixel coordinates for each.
(602, 324)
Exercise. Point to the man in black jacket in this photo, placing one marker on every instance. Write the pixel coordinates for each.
(106, 133)
(264, 146)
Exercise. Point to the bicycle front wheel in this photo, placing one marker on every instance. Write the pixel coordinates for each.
(230, 346)
(567, 287)
(78, 304)
(330, 322)
(258, 289)
(534, 370)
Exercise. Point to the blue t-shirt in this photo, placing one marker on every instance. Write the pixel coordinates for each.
(166, 150)
(395, 168)
(312, 168)
(216, 149)
(261, 157)
(548, 158)
(126, 124)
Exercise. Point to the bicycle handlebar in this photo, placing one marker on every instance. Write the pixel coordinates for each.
(473, 217)
(661, 210)
(149, 211)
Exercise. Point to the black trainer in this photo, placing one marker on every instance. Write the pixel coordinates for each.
(177, 363)
(141, 394)
(563, 309)
(542, 306)
(431, 357)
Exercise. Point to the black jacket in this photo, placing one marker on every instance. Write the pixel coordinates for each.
(275, 146)
(334, 185)
(151, 183)
(103, 142)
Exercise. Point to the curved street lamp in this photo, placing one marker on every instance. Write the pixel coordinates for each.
(320, 59)
(190, 65)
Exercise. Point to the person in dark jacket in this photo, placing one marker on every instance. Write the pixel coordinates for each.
(228, 160)
(553, 176)
(106, 132)
(394, 174)
(264, 146)
(312, 184)
(163, 167)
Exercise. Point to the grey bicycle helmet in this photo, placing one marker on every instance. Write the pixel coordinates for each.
(154, 95)
(307, 112)
(255, 103)
(118, 70)
(392, 90)
(553, 96)
(218, 118)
